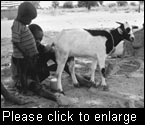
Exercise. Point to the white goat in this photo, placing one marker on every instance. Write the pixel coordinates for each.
(97, 44)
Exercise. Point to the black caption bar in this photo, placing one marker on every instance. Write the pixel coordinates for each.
(72, 116)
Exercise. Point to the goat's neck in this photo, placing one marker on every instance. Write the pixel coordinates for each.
(117, 37)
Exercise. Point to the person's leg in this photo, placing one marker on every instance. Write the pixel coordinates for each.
(39, 90)
(23, 69)
(9, 97)
(14, 72)
(18, 73)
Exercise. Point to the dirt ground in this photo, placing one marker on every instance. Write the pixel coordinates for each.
(125, 79)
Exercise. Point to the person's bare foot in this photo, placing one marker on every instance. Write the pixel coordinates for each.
(63, 100)
(14, 100)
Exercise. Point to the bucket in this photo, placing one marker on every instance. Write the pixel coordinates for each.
(53, 83)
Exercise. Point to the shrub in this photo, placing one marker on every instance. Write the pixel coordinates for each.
(81, 4)
(55, 4)
(68, 4)
(122, 3)
(133, 4)
(87, 4)
(112, 5)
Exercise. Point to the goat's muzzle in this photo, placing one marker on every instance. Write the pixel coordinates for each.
(132, 39)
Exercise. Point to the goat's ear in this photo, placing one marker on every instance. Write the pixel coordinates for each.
(119, 23)
(120, 31)
(134, 27)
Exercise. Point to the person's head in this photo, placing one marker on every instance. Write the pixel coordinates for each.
(26, 13)
(37, 31)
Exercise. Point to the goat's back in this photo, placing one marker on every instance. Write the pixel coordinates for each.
(79, 42)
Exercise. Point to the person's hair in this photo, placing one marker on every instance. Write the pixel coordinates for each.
(34, 28)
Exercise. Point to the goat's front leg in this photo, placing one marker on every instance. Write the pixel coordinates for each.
(72, 70)
(101, 61)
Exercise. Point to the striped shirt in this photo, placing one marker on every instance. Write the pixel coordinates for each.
(22, 35)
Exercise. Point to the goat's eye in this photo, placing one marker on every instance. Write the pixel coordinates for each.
(128, 30)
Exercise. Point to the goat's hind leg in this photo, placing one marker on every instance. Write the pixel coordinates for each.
(93, 68)
(61, 64)
(72, 70)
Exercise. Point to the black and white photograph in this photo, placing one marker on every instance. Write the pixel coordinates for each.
(73, 54)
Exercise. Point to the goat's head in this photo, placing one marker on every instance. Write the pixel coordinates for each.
(126, 31)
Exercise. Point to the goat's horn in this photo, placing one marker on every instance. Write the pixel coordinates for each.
(119, 23)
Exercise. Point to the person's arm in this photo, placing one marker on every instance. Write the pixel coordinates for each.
(41, 48)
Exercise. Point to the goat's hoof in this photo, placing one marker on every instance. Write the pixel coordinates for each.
(63, 93)
(102, 87)
(59, 91)
(76, 85)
